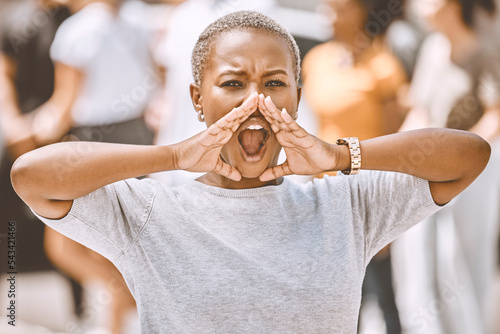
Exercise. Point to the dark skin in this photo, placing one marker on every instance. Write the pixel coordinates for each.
(48, 179)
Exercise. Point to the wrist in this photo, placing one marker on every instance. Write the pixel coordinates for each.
(170, 157)
(342, 157)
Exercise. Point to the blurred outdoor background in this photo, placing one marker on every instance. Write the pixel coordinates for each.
(119, 71)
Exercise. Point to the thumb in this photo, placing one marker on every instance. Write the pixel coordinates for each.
(226, 170)
(275, 172)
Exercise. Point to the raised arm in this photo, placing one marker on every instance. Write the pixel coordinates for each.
(50, 178)
(449, 159)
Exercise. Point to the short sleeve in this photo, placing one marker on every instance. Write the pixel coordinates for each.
(110, 219)
(388, 204)
(78, 40)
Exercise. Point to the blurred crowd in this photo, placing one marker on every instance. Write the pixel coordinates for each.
(119, 71)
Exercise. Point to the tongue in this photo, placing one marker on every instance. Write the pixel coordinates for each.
(252, 140)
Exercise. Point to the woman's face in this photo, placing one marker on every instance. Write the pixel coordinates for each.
(242, 62)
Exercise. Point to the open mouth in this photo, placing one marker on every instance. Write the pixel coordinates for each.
(253, 138)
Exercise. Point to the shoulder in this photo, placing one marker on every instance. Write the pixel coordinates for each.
(435, 48)
(88, 21)
(320, 53)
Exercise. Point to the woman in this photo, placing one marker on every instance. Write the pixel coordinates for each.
(354, 75)
(243, 249)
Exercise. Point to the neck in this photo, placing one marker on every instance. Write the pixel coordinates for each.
(356, 47)
(216, 180)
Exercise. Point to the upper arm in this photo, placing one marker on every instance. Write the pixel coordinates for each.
(444, 191)
(51, 209)
(8, 70)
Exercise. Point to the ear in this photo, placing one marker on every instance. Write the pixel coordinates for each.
(196, 97)
(299, 95)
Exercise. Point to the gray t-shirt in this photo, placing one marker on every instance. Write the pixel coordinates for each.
(278, 259)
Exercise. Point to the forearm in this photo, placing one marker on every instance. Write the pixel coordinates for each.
(437, 155)
(449, 159)
(66, 171)
(15, 128)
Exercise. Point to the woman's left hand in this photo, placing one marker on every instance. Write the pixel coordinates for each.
(305, 153)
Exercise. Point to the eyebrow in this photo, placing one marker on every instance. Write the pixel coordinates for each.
(271, 73)
(233, 72)
(242, 72)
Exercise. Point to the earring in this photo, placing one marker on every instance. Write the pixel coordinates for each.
(295, 116)
(201, 117)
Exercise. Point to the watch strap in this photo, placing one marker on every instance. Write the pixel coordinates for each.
(355, 150)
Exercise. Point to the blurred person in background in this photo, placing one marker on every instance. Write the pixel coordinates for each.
(27, 29)
(352, 85)
(404, 36)
(445, 267)
(104, 77)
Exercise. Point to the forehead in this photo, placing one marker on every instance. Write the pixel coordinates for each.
(250, 48)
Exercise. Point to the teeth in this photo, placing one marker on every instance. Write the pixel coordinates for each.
(254, 127)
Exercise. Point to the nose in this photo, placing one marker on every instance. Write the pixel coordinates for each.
(252, 88)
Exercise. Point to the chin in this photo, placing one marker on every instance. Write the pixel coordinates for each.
(251, 173)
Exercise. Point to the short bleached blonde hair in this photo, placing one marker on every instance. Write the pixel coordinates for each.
(245, 20)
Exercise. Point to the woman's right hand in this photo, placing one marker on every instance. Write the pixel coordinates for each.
(201, 153)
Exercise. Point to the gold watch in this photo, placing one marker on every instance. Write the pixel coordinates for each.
(353, 144)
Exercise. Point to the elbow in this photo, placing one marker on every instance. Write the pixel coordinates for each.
(483, 150)
(480, 151)
(20, 174)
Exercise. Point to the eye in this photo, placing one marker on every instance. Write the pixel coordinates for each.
(231, 83)
(275, 83)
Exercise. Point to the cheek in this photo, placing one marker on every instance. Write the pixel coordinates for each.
(285, 99)
(220, 105)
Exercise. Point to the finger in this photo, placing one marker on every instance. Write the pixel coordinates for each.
(239, 114)
(275, 172)
(268, 115)
(269, 109)
(232, 120)
(226, 170)
(292, 125)
(282, 118)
